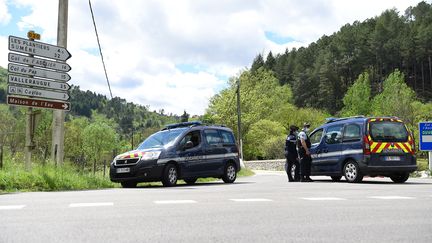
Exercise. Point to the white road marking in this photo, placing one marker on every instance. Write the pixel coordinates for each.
(174, 201)
(11, 207)
(100, 204)
(252, 200)
(391, 197)
(324, 198)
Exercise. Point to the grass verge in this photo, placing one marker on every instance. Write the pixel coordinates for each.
(50, 178)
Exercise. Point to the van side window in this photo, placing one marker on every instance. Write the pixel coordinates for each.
(194, 137)
(227, 137)
(212, 137)
(334, 134)
(315, 137)
(352, 132)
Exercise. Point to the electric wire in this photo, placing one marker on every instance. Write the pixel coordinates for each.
(100, 49)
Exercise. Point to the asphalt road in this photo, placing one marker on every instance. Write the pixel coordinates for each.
(261, 208)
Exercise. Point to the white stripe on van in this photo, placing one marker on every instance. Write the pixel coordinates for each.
(198, 157)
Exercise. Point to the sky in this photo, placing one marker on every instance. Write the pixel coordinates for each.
(176, 54)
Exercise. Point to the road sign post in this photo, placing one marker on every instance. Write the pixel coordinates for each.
(425, 143)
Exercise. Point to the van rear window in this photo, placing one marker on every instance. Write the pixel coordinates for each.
(387, 131)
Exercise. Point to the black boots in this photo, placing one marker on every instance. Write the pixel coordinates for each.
(306, 179)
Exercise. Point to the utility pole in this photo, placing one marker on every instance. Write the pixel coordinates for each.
(57, 149)
(240, 141)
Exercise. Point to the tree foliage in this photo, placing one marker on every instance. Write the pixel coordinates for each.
(358, 97)
(321, 73)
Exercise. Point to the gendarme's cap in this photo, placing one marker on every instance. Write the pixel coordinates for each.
(306, 124)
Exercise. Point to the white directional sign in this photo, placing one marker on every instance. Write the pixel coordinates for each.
(35, 82)
(39, 62)
(38, 48)
(43, 73)
(19, 90)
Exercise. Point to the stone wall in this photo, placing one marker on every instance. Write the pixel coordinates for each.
(278, 164)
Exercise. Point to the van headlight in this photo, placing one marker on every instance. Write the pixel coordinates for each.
(114, 160)
(150, 155)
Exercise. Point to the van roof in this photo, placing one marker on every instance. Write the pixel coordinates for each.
(361, 118)
(191, 124)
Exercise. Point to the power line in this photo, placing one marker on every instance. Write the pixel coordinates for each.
(100, 49)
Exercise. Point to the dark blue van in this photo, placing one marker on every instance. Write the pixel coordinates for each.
(185, 151)
(355, 147)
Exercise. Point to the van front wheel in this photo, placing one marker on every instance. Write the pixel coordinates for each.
(400, 178)
(170, 175)
(352, 172)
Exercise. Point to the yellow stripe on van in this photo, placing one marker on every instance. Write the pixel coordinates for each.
(401, 145)
(374, 144)
(379, 150)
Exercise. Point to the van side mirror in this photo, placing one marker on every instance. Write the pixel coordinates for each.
(188, 145)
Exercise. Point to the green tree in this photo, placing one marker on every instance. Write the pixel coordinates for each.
(396, 99)
(270, 61)
(74, 139)
(257, 63)
(357, 99)
(43, 131)
(99, 139)
(264, 140)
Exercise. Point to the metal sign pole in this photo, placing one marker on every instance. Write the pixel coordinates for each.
(29, 132)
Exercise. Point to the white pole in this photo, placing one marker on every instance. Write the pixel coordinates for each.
(57, 149)
(430, 160)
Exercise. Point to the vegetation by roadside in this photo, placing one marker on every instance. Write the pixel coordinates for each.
(51, 178)
(423, 169)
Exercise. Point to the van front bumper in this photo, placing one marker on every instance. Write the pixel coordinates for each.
(141, 172)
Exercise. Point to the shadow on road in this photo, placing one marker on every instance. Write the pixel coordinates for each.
(194, 186)
(374, 182)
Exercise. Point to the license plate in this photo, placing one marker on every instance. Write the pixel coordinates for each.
(123, 170)
(392, 158)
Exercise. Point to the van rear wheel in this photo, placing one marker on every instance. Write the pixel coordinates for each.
(352, 172)
(399, 178)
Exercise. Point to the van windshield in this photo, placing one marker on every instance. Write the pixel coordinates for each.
(161, 138)
(386, 131)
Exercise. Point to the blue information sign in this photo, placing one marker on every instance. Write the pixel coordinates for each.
(425, 135)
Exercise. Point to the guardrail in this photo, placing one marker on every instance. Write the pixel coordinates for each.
(277, 164)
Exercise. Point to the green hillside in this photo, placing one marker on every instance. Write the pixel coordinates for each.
(321, 73)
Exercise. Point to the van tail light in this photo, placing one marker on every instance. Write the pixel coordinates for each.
(366, 146)
(412, 143)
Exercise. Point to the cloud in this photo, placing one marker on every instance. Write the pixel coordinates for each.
(175, 55)
(5, 16)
